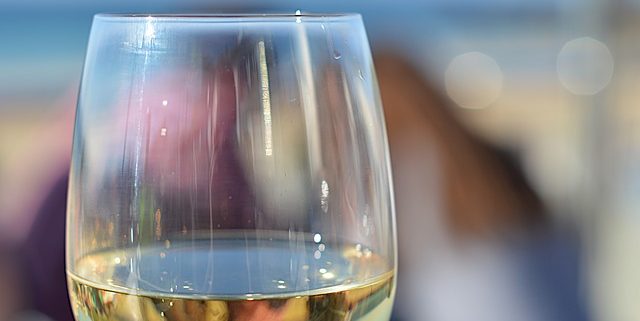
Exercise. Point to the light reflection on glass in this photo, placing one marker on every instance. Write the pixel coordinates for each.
(150, 31)
(266, 99)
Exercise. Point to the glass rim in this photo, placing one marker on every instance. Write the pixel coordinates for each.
(226, 17)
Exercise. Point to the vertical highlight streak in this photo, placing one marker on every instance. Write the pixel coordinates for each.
(266, 99)
(308, 98)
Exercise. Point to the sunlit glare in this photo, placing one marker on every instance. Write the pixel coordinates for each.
(266, 99)
(150, 31)
(298, 13)
(324, 196)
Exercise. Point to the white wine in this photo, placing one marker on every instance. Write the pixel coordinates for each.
(235, 280)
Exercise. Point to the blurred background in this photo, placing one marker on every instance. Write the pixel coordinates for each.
(537, 98)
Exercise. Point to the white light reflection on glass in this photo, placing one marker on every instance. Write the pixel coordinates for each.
(473, 80)
(298, 14)
(585, 66)
(165, 103)
(149, 30)
(266, 99)
(324, 196)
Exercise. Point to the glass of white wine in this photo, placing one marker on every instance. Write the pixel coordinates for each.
(230, 167)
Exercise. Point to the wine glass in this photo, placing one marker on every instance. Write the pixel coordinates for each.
(230, 167)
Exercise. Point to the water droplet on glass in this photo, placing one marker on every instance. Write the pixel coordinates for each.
(336, 55)
(163, 132)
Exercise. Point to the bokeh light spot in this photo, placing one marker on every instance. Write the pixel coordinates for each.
(585, 66)
(473, 80)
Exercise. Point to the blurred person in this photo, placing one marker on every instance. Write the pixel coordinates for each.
(12, 296)
(475, 241)
(31, 265)
(27, 259)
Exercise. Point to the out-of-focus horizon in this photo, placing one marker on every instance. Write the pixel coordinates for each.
(551, 83)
